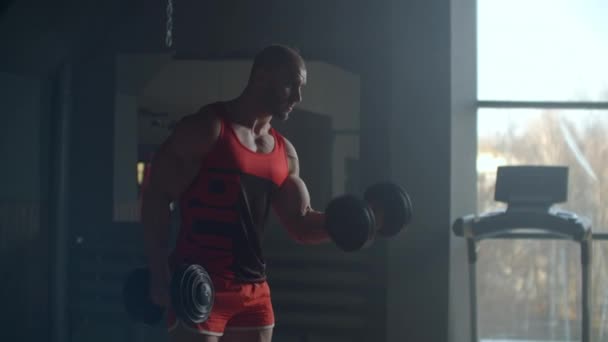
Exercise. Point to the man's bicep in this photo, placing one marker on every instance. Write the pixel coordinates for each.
(292, 200)
(292, 206)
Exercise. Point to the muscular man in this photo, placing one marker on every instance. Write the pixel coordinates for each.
(226, 167)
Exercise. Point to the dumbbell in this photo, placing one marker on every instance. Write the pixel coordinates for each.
(353, 222)
(191, 293)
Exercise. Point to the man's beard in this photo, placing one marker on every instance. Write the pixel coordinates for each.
(279, 110)
(281, 115)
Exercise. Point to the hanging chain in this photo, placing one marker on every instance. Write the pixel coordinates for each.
(169, 32)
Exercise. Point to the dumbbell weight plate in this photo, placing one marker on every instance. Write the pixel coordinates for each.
(395, 204)
(349, 222)
(192, 293)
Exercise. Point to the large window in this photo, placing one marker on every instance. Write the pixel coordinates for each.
(543, 100)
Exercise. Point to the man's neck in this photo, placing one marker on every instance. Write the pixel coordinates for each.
(245, 110)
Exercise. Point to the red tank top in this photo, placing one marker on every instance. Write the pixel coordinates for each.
(224, 211)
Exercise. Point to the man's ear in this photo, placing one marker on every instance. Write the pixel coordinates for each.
(261, 76)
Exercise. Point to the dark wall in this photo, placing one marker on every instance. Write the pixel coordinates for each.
(24, 235)
(420, 133)
(90, 202)
(419, 129)
(21, 139)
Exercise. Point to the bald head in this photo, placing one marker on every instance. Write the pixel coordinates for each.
(277, 56)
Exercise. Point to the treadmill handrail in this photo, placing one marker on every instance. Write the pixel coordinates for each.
(499, 223)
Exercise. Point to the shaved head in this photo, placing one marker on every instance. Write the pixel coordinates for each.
(277, 56)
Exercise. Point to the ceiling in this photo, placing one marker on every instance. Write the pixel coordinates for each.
(39, 35)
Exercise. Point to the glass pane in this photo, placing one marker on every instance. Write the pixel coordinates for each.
(530, 290)
(599, 298)
(542, 50)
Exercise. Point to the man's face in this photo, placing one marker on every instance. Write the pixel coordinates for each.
(284, 90)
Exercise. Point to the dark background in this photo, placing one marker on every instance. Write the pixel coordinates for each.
(63, 256)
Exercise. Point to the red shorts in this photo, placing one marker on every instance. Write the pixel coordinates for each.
(237, 306)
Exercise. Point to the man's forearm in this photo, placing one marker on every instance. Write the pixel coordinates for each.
(309, 228)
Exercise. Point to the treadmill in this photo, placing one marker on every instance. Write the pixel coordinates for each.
(530, 193)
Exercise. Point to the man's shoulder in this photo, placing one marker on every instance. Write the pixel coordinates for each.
(202, 127)
(208, 113)
(291, 150)
(292, 156)
(206, 118)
